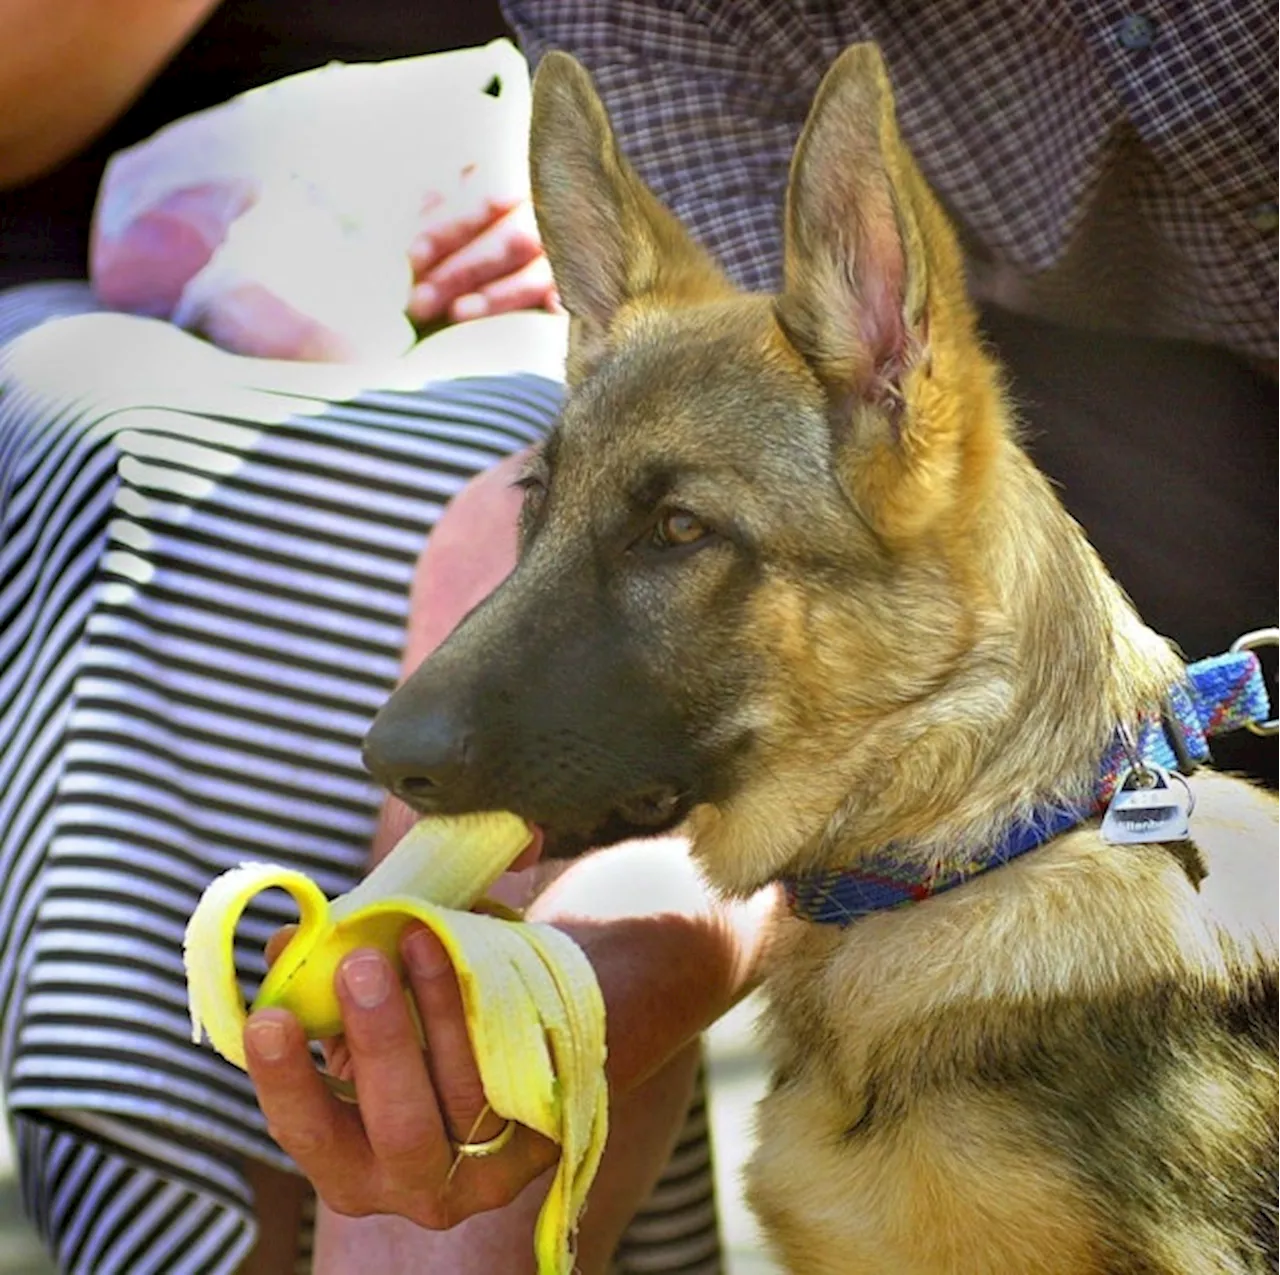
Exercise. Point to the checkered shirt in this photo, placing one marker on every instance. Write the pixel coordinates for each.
(1107, 166)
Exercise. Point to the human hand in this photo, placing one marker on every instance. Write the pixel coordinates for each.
(218, 221)
(477, 252)
(393, 1153)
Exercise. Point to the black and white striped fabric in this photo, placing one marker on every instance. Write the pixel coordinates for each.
(203, 592)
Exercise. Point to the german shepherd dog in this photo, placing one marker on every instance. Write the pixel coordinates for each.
(788, 578)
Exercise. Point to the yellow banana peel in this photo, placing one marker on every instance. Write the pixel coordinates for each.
(534, 1010)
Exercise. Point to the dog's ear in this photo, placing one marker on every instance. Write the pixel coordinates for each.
(610, 242)
(874, 299)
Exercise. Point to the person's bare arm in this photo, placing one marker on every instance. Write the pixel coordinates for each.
(467, 556)
(669, 960)
(279, 1200)
(643, 962)
(69, 68)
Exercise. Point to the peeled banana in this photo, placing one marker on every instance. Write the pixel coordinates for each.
(533, 1006)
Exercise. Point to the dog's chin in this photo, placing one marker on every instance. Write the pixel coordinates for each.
(564, 842)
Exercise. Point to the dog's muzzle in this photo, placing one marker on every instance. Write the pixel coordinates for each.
(451, 754)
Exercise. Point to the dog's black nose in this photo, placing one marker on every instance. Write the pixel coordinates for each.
(420, 758)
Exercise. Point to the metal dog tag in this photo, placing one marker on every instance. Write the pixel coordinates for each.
(1148, 806)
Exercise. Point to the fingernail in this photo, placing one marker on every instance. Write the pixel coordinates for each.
(366, 978)
(425, 298)
(472, 306)
(268, 1038)
(424, 955)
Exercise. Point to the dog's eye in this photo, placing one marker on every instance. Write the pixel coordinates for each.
(535, 495)
(678, 527)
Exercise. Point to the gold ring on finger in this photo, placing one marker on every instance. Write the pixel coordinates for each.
(491, 1146)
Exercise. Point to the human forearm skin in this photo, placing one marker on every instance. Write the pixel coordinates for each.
(669, 956)
(69, 68)
(670, 960)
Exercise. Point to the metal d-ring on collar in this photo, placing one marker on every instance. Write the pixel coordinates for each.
(1249, 642)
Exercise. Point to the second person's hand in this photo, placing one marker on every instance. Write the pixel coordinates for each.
(476, 253)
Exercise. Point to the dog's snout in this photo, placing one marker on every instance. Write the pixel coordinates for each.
(421, 759)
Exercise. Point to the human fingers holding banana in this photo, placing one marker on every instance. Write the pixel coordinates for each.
(396, 1151)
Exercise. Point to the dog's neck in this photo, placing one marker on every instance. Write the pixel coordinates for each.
(1059, 661)
(1025, 717)
(1217, 695)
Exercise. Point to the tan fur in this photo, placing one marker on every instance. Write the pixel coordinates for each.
(1015, 1076)
(952, 1191)
(1074, 919)
(651, 259)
